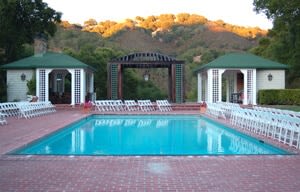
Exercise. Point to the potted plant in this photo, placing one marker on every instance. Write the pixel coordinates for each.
(31, 86)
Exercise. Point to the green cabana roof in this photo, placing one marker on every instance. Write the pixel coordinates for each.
(242, 61)
(48, 60)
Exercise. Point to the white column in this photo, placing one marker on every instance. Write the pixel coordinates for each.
(209, 86)
(72, 86)
(254, 92)
(82, 86)
(235, 82)
(73, 141)
(221, 71)
(91, 82)
(227, 88)
(82, 141)
(54, 82)
(245, 100)
(220, 148)
(47, 84)
(199, 89)
(205, 95)
(63, 81)
(37, 85)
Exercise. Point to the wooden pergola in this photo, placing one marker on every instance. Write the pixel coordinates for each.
(175, 68)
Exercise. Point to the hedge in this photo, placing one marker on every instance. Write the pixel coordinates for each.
(279, 97)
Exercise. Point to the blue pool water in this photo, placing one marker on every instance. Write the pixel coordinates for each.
(147, 135)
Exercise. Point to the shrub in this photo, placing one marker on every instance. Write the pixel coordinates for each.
(279, 97)
(31, 85)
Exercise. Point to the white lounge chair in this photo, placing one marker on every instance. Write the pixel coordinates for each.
(163, 105)
(131, 105)
(146, 105)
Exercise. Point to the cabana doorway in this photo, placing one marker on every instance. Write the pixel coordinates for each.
(60, 87)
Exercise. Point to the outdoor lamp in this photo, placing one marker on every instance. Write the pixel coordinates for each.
(270, 77)
(146, 75)
(23, 77)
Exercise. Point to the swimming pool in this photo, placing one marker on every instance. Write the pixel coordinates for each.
(147, 135)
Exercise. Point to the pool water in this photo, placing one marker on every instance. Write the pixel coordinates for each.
(147, 135)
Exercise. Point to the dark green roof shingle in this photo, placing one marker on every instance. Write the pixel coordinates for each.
(242, 61)
(48, 60)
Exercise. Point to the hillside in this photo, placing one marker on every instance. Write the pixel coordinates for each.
(196, 43)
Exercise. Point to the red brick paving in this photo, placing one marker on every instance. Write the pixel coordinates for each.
(149, 173)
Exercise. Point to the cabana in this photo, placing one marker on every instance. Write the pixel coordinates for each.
(237, 77)
(59, 78)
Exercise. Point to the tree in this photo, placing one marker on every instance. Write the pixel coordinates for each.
(20, 21)
(284, 37)
(165, 21)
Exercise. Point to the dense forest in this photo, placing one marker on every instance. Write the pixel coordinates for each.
(185, 36)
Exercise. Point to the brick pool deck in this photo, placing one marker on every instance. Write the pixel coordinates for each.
(134, 173)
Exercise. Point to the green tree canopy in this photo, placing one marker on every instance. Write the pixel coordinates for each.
(283, 44)
(20, 21)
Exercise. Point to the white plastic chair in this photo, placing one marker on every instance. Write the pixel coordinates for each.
(2, 119)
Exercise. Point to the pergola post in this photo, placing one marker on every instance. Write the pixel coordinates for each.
(120, 80)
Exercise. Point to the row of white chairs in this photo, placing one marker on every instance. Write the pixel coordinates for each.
(277, 111)
(34, 109)
(25, 109)
(131, 105)
(281, 125)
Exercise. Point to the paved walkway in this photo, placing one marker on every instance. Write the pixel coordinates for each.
(96, 173)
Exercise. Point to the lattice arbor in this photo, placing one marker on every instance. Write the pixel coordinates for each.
(146, 60)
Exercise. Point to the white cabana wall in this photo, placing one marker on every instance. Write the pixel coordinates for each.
(16, 86)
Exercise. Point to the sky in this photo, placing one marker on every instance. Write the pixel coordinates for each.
(236, 12)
